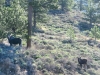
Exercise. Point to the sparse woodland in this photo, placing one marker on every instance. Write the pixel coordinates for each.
(53, 35)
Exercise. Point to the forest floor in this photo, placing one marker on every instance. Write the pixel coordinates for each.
(52, 52)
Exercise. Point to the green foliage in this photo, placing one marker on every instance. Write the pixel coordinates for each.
(95, 32)
(66, 4)
(69, 5)
(65, 41)
(92, 11)
(71, 33)
(13, 16)
(40, 7)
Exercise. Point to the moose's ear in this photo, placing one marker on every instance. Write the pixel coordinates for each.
(78, 57)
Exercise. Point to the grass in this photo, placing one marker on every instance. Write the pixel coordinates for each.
(61, 58)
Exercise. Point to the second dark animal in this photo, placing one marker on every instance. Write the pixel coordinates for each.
(82, 62)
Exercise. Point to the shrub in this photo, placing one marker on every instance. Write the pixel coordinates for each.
(64, 41)
(44, 42)
(95, 32)
(36, 56)
(84, 26)
(92, 72)
(49, 47)
(67, 41)
(71, 33)
(58, 69)
(69, 66)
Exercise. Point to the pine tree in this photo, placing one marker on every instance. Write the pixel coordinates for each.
(66, 5)
(91, 12)
(37, 6)
(95, 32)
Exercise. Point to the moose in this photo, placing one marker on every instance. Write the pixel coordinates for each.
(13, 41)
(82, 62)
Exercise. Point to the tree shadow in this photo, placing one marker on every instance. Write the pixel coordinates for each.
(7, 51)
(37, 30)
(83, 26)
(56, 11)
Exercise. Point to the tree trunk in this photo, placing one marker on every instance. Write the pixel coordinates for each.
(90, 18)
(90, 13)
(34, 20)
(81, 2)
(29, 25)
(62, 6)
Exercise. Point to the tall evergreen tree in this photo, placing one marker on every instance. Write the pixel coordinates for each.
(29, 24)
(91, 12)
(37, 6)
(13, 19)
(66, 5)
(81, 3)
(42, 6)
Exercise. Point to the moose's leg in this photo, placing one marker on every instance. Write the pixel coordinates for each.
(85, 67)
(10, 44)
(81, 65)
(20, 45)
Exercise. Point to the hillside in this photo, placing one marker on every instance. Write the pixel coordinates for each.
(52, 52)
